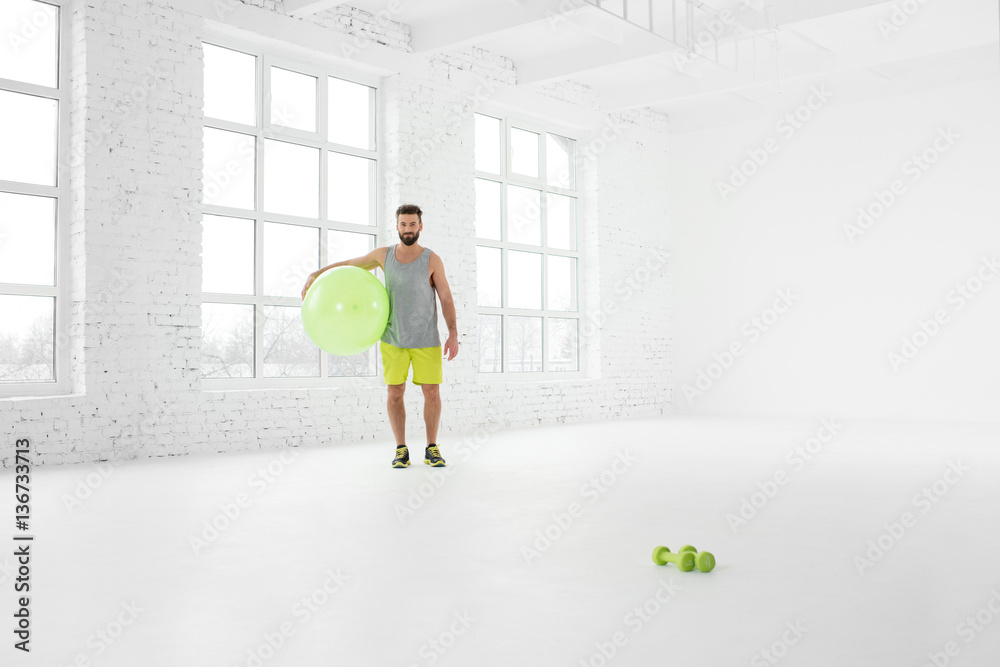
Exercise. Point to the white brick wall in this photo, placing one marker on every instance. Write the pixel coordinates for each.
(136, 268)
(573, 92)
(379, 28)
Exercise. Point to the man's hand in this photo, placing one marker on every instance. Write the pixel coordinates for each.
(451, 347)
(309, 281)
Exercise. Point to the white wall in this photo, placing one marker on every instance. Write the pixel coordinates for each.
(136, 241)
(857, 295)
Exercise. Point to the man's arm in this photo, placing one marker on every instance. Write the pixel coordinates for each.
(440, 283)
(374, 259)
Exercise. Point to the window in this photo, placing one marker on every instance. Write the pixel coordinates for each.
(34, 196)
(527, 256)
(289, 185)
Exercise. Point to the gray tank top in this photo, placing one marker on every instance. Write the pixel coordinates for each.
(412, 302)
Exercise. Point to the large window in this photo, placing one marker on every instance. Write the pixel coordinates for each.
(33, 198)
(527, 256)
(289, 186)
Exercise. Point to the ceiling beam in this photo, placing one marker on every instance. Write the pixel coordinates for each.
(965, 66)
(784, 12)
(950, 31)
(304, 39)
(794, 11)
(488, 20)
(623, 43)
(590, 20)
(569, 64)
(664, 89)
(300, 8)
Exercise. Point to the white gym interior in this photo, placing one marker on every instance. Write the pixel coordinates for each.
(725, 274)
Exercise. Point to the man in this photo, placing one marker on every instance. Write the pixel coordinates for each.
(412, 276)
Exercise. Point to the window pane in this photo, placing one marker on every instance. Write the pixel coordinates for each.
(230, 160)
(359, 365)
(560, 222)
(228, 252)
(29, 49)
(488, 209)
(293, 99)
(28, 131)
(490, 344)
(351, 193)
(350, 117)
(488, 144)
(563, 344)
(291, 179)
(560, 160)
(27, 239)
(524, 207)
(347, 245)
(524, 280)
(523, 152)
(291, 253)
(562, 283)
(524, 344)
(27, 330)
(488, 276)
(288, 352)
(227, 340)
(230, 85)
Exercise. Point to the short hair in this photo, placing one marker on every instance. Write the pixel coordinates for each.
(410, 209)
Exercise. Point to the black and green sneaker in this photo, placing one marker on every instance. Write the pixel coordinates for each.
(402, 459)
(432, 457)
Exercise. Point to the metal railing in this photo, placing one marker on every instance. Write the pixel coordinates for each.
(700, 31)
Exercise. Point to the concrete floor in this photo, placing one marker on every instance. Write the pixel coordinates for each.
(838, 543)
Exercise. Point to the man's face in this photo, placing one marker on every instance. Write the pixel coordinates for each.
(408, 226)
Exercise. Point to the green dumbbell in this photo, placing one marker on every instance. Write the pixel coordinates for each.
(703, 560)
(684, 561)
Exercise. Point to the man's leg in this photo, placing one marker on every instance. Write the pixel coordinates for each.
(395, 368)
(427, 374)
(432, 417)
(432, 410)
(397, 412)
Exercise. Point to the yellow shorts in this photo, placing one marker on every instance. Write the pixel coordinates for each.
(426, 364)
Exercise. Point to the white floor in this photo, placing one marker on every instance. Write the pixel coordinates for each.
(465, 579)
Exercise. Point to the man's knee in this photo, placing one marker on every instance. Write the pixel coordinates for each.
(431, 393)
(396, 392)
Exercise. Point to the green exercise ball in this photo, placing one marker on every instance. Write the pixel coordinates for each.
(345, 311)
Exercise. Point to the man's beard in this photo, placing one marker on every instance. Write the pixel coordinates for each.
(409, 240)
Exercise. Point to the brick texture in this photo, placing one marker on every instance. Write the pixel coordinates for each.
(135, 333)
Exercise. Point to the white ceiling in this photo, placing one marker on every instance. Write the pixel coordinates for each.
(848, 45)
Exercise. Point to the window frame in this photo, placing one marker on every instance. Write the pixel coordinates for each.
(508, 121)
(264, 130)
(61, 291)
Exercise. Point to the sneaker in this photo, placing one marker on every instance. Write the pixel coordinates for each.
(432, 457)
(402, 459)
